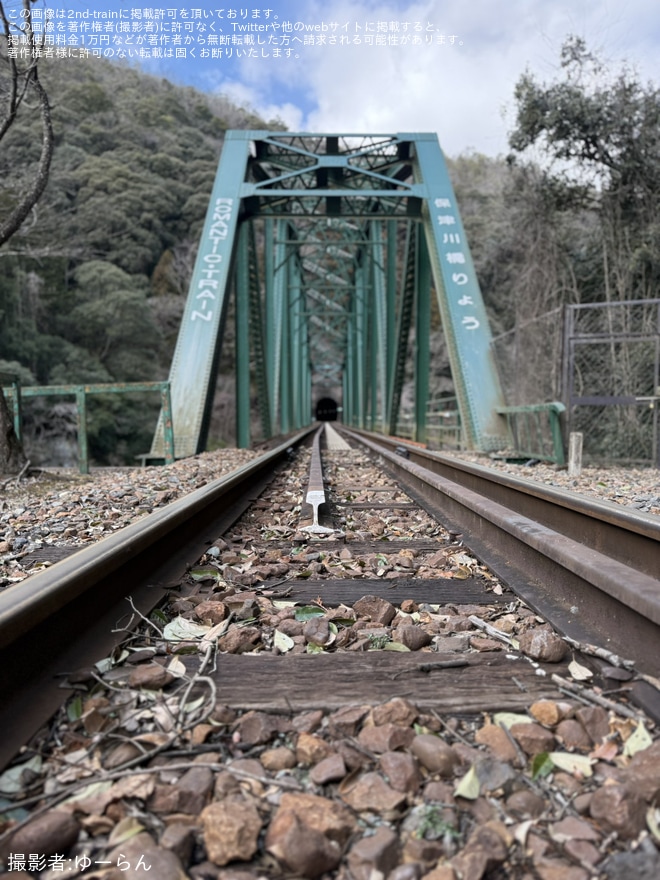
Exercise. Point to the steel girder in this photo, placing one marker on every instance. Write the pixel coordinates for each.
(331, 244)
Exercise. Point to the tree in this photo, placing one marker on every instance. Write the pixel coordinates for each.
(19, 54)
(19, 82)
(128, 188)
(595, 130)
(598, 132)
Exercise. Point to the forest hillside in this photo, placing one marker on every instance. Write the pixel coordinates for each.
(93, 286)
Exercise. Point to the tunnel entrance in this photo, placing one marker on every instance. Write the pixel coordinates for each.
(326, 410)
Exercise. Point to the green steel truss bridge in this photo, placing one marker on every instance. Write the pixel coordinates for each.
(332, 246)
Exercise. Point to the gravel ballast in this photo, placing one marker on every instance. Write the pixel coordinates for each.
(145, 770)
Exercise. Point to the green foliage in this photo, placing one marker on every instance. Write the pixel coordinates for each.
(434, 825)
(129, 185)
(88, 98)
(542, 766)
(98, 279)
(77, 365)
(608, 124)
(14, 369)
(598, 133)
(570, 217)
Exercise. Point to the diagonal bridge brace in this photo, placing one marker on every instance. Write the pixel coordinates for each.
(357, 224)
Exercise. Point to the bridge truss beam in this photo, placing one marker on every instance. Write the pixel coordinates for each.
(330, 245)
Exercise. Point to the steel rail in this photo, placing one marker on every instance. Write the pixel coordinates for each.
(66, 617)
(583, 518)
(589, 593)
(315, 495)
(592, 568)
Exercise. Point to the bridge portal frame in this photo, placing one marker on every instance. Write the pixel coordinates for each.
(354, 231)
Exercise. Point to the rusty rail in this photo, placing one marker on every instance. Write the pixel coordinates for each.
(66, 617)
(590, 567)
(569, 558)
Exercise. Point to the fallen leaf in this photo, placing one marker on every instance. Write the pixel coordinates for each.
(469, 786)
(507, 719)
(153, 739)
(606, 751)
(463, 560)
(578, 765)
(91, 790)
(625, 727)
(308, 612)
(637, 741)
(214, 633)
(578, 672)
(104, 665)
(73, 710)
(652, 819)
(193, 705)
(282, 641)
(204, 574)
(176, 667)
(182, 630)
(542, 765)
(522, 830)
(140, 786)
(10, 781)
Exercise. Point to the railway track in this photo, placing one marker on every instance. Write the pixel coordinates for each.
(281, 625)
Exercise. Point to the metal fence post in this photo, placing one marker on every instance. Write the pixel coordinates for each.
(83, 448)
(168, 429)
(17, 408)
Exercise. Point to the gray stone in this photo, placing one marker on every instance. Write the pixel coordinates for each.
(386, 737)
(375, 609)
(401, 770)
(543, 645)
(615, 808)
(372, 793)
(330, 769)
(413, 637)
(301, 848)
(377, 853)
(643, 864)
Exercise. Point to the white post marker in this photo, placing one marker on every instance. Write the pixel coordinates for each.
(574, 454)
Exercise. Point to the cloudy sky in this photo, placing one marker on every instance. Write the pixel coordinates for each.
(398, 66)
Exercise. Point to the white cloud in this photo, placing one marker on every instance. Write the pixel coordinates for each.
(462, 92)
(249, 97)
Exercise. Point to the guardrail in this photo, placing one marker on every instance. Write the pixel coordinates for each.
(535, 430)
(442, 425)
(16, 393)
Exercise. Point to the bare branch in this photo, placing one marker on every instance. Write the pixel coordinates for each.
(21, 82)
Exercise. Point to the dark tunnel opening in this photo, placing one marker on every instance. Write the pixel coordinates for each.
(326, 410)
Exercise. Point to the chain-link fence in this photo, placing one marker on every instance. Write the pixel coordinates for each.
(529, 360)
(602, 360)
(611, 381)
